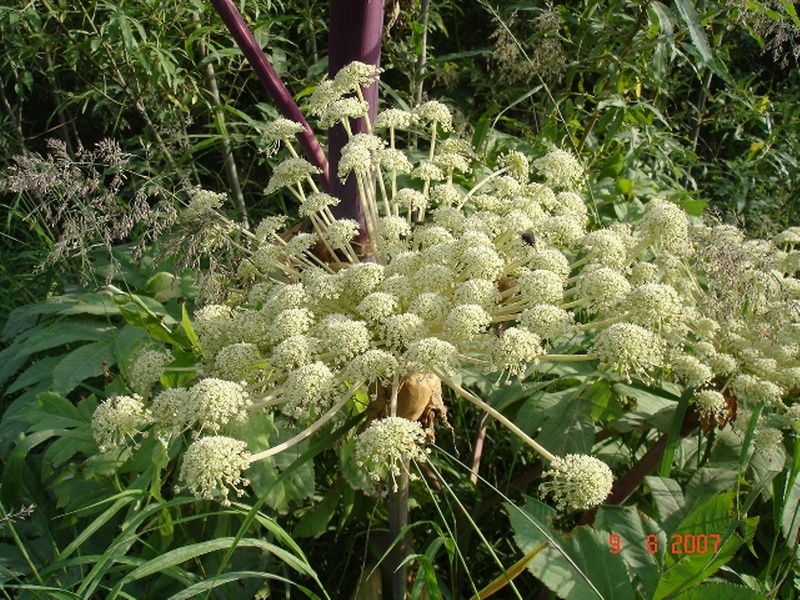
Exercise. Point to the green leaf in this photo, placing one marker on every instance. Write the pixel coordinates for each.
(700, 40)
(686, 564)
(633, 528)
(578, 567)
(81, 364)
(315, 520)
(719, 591)
(668, 498)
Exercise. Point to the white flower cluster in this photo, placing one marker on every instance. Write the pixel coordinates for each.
(577, 482)
(385, 448)
(498, 273)
(213, 465)
(118, 420)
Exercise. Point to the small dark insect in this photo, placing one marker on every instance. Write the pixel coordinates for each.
(528, 238)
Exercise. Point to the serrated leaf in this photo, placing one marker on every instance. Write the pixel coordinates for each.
(707, 482)
(699, 39)
(41, 370)
(668, 498)
(81, 364)
(633, 528)
(579, 567)
(684, 569)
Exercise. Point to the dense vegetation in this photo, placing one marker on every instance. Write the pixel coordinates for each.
(585, 265)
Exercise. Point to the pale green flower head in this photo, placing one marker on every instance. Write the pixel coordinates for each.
(377, 307)
(290, 173)
(577, 482)
(398, 331)
(146, 369)
(466, 322)
(559, 168)
(280, 131)
(236, 362)
(118, 420)
(541, 287)
(665, 224)
(517, 164)
(317, 202)
(756, 391)
(550, 259)
(562, 230)
(601, 288)
(384, 448)
(656, 306)
(212, 325)
(290, 322)
(515, 349)
(374, 364)
(607, 247)
(435, 113)
(308, 390)
(394, 118)
(169, 411)
(482, 292)
(342, 337)
(341, 110)
(202, 203)
(213, 403)
(691, 370)
(293, 352)
(354, 76)
(628, 348)
(213, 466)
(710, 404)
(547, 321)
(433, 353)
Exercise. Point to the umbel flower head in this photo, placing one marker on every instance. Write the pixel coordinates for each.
(212, 466)
(385, 448)
(118, 420)
(577, 482)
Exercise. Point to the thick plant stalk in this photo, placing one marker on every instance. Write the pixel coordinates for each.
(272, 83)
(356, 29)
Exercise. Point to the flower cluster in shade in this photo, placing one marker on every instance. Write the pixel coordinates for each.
(500, 274)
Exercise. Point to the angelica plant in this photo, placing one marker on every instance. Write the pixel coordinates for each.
(466, 265)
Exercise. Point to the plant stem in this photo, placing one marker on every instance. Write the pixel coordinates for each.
(272, 82)
(356, 28)
(398, 520)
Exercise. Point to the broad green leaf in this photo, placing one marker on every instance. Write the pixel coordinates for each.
(707, 482)
(81, 364)
(26, 317)
(716, 590)
(41, 370)
(668, 498)
(578, 567)
(633, 528)
(315, 520)
(708, 526)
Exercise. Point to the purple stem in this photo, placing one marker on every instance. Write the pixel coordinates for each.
(272, 82)
(356, 30)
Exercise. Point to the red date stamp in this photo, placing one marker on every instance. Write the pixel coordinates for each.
(679, 544)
